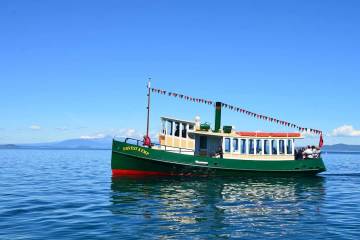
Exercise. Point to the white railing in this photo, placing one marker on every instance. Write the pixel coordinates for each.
(166, 148)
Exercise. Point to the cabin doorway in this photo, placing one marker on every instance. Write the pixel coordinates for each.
(203, 143)
(209, 146)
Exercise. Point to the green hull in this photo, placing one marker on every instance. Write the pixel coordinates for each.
(128, 159)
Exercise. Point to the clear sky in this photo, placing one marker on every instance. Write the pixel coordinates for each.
(72, 69)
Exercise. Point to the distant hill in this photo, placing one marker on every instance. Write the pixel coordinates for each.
(341, 148)
(95, 143)
(8, 146)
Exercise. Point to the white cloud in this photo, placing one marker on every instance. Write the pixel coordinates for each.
(123, 133)
(345, 131)
(96, 136)
(130, 132)
(35, 127)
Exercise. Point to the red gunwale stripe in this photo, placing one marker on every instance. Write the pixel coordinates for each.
(121, 172)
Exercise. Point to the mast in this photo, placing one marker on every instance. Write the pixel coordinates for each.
(148, 109)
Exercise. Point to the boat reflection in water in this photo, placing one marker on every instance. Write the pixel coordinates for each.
(228, 207)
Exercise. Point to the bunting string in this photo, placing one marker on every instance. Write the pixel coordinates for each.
(237, 109)
(182, 96)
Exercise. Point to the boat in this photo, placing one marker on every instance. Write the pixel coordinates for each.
(192, 148)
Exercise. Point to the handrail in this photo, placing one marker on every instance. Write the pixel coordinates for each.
(137, 141)
(141, 143)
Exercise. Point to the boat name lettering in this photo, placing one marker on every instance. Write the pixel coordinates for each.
(138, 149)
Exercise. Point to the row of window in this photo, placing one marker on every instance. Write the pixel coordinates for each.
(168, 127)
(259, 146)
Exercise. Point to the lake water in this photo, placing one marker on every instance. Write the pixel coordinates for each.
(63, 194)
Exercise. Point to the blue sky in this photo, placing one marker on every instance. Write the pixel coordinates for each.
(72, 69)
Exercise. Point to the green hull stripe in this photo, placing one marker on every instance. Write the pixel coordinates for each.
(217, 168)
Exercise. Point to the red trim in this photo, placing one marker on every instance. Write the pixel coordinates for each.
(247, 134)
(267, 134)
(294, 134)
(121, 172)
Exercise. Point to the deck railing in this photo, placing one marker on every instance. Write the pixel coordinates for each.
(166, 148)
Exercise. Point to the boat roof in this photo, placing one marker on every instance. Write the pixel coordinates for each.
(177, 120)
(250, 134)
(269, 134)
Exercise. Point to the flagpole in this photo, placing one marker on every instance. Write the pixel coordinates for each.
(148, 109)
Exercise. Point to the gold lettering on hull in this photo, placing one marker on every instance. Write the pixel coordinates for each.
(135, 149)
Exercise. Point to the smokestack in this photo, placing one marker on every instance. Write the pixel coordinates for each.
(218, 106)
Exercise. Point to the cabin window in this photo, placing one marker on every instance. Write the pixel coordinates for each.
(177, 129)
(184, 130)
(235, 145)
(251, 146)
(191, 136)
(191, 128)
(203, 142)
(258, 146)
(289, 147)
(274, 146)
(266, 147)
(170, 128)
(163, 127)
(243, 146)
(227, 145)
(282, 147)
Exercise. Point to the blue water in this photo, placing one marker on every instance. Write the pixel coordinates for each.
(49, 194)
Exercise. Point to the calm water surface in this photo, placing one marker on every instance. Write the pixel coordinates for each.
(46, 194)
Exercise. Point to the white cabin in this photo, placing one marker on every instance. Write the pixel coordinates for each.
(176, 133)
(246, 145)
(187, 137)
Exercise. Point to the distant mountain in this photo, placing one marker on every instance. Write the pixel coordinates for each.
(341, 148)
(8, 146)
(94, 143)
(97, 143)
